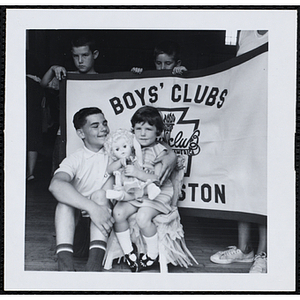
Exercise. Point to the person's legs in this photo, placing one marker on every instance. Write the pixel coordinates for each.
(242, 253)
(244, 232)
(262, 244)
(65, 228)
(31, 163)
(144, 219)
(98, 240)
(58, 153)
(260, 260)
(121, 213)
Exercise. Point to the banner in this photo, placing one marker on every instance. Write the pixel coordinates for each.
(217, 117)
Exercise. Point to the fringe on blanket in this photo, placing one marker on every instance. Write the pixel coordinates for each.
(171, 241)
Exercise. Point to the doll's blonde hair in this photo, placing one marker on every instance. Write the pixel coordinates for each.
(115, 136)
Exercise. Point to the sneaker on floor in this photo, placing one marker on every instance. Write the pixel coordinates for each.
(260, 264)
(233, 254)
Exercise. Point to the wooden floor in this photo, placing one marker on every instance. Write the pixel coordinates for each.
(203, 236)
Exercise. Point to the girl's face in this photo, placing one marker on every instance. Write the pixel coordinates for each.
(165, 62)
(121, 148)
(145, 134)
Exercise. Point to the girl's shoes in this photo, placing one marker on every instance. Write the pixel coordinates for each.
(146, 262)
(132, 259)
(136, 263)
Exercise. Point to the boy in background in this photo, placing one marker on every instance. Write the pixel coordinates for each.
(84, 54)
(166, 57)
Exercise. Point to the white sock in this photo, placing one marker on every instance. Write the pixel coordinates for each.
(125, 241)
(152, 245)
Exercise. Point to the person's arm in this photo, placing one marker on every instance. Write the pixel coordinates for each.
(137, 70)
(168, 163)
(114, 166)
(55, 71)
(64, 192)
(179, 70)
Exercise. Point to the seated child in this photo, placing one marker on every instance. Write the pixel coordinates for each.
(166, 57)
(119, 146)
(147, 125)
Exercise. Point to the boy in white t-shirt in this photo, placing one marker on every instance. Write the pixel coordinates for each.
(73, 184)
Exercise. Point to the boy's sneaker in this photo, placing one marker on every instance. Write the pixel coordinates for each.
(260, 264)
(233, 254)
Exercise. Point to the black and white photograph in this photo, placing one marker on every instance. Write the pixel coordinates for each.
(150, 150)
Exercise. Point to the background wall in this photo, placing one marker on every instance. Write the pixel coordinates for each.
(120, 50)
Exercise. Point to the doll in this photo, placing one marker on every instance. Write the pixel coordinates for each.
(119, 146)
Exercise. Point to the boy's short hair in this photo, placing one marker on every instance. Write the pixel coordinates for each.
(79, 119)
(84, 40)
(148, 114)
(170, 48)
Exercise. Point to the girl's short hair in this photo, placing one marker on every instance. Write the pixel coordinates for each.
(79, 119)
(115, 136)
(148, 114)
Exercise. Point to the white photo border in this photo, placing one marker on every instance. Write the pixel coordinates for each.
(282, 26)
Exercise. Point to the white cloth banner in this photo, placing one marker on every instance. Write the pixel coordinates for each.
(217, 117)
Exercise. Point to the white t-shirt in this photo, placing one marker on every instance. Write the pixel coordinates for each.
(87, 170)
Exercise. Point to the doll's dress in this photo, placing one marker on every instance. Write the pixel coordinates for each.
(128, 184)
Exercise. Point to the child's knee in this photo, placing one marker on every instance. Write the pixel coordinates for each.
(119, 214)
(143, 220)
(99, 197)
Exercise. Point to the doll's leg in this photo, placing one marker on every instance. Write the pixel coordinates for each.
(131, 183)
(119, 195)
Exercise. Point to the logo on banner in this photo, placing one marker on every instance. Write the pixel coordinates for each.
(181, 134)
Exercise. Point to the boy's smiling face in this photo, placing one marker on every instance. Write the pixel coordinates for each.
(84, 59)
(94, 132)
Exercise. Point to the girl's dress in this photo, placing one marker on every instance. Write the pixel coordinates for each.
(171, 241)
(162, 202)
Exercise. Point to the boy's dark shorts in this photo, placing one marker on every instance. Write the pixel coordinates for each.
(82, 236)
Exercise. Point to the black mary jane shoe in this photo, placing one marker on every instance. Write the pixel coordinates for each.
(146, 263)
(132, 259)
